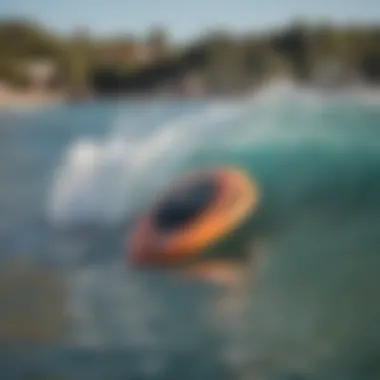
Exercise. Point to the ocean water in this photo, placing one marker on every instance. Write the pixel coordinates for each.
(74, 179)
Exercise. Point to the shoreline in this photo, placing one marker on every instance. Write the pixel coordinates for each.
(12, 99)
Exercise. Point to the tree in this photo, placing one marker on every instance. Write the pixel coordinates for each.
(79, 60)
(158, 40)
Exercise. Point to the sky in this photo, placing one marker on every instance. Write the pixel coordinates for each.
(185, 19)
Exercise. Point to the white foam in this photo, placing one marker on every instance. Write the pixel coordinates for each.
(99, 181)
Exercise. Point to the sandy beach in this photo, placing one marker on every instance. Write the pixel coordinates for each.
(12, 98)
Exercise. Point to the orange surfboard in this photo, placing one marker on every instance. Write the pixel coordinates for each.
(197, 211)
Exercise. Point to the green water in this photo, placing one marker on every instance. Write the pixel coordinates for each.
(310, 307)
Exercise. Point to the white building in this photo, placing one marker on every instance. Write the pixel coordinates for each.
(39, 72)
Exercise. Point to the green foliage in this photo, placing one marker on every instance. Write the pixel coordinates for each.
(297, 51)
(158, 39)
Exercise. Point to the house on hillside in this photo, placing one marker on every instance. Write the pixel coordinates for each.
(40, 73)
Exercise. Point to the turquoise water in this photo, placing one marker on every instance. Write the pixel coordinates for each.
(73, 179)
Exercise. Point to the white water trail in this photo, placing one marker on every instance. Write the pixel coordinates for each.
(100, 181)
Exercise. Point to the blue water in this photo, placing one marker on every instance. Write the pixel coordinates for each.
(74, 178)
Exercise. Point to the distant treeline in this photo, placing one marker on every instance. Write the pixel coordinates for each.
(221, 61)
